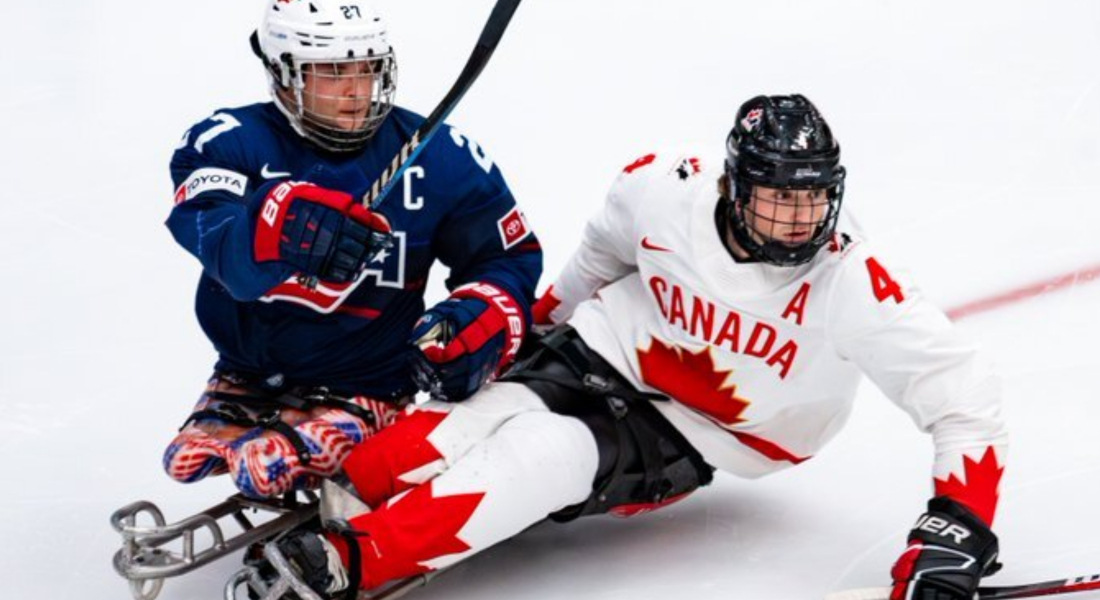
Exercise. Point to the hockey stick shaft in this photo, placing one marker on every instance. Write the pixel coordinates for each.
(486, 44)
(1032, 590)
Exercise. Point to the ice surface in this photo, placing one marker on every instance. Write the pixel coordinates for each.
(970, 130)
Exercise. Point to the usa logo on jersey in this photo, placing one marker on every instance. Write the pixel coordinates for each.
(386, 269)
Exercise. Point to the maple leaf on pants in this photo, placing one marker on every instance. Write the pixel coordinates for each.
(692, 379)
(376, 466)
(977, 490)
(396, 540)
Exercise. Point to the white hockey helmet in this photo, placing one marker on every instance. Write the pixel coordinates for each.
(332, 70)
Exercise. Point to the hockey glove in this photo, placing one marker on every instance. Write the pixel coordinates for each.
(466, 339)
(321, 232)
(949, 551)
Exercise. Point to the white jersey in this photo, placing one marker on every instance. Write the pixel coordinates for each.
(762, 362)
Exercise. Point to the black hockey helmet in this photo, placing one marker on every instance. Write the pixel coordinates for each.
(781, 142)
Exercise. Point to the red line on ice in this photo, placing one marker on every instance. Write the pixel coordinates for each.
(1024, 292)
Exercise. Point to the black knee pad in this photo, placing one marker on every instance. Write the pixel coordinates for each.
(643, 459)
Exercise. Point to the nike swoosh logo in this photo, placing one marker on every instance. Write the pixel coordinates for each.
(272, 174)
(648, 245)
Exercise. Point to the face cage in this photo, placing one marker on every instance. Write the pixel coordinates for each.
(776, 252)
(325, 130)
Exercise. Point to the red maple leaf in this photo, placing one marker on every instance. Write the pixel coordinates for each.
(692, 379)
(977, 490)
(375, 466)
(398, 539)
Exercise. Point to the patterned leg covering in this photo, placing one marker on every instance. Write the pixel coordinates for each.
(193, 455)
(262, 462)
(266, 464)
(200, 448)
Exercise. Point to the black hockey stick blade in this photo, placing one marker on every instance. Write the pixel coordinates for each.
(491, 34)
(1031, 590)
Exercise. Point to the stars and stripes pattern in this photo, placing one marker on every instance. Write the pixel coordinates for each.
(262, 462)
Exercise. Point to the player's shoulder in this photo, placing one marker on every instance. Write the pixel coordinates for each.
(457, 161)
(667, 179)
(665, 170)
(867, 286)
(842, 248)
(403, 120)
(232, 135)
(846, 249)
(681, 165)
(840, 258)
(449, 139)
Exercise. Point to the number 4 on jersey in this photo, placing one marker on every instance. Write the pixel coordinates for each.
(882, 284)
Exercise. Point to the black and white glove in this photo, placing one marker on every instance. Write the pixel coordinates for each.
(950, 550)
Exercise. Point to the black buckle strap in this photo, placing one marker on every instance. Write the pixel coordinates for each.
(667, 430)
(300, 401)
(595, 378)
(271, 420)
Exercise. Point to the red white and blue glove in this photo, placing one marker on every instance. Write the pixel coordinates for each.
(320, 232)
(463, 341)
(950, 550)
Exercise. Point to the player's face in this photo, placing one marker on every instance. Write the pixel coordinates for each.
(338, 94)
(786, 216)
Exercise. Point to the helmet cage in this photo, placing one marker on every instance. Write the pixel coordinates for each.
(753, 231)
(339, 133)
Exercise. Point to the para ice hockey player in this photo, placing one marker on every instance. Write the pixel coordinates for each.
(700, 327)
(311, 300)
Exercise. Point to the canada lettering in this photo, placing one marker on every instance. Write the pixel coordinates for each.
(701, 318)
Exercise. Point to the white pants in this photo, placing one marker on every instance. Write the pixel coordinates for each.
(448, 480)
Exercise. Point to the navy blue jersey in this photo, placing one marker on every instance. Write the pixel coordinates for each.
(452, 205)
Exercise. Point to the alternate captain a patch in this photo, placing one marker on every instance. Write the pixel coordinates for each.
(513, 228)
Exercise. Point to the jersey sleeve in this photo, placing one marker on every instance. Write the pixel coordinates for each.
(485, 237)
(607, 249)
(214, 213)
(910, 350)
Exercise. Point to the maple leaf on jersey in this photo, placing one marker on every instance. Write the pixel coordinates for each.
(977, 490)
(692, 379)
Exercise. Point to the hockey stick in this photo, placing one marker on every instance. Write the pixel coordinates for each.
(486, 44)
(1046, 588)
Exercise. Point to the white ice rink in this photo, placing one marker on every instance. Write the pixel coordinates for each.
(970, 129)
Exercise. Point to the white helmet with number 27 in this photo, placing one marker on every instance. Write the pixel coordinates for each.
(332, 69)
